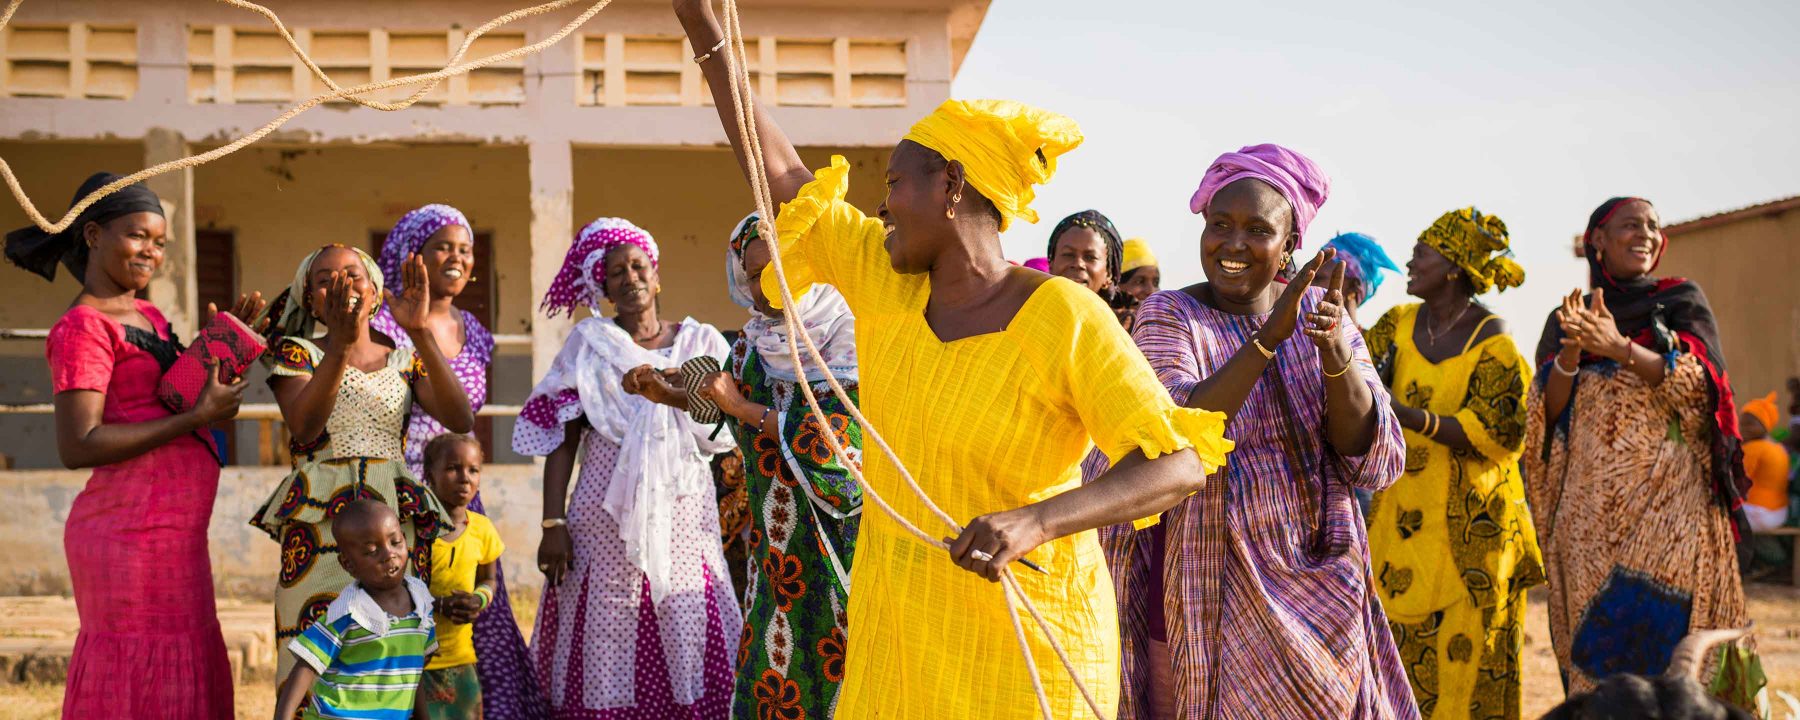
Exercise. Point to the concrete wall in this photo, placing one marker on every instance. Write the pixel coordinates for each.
(1746, 268)
(244, 560)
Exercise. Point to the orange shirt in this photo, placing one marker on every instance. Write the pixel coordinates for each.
(1766, 462)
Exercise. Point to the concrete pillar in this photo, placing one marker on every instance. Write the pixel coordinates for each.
(174, 290)
(552, 209)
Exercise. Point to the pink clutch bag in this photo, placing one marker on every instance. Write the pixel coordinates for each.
(227, 340)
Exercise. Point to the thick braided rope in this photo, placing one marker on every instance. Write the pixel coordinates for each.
(453, 69)
(745, 112)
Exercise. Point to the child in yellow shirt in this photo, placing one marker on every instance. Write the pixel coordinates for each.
(461, 579)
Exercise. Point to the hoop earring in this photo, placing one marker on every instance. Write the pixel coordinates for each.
(1287, 258)
(950, 212)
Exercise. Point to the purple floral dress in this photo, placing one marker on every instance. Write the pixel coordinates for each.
(509, 689)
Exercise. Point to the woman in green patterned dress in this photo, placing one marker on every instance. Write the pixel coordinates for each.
(804, 504)
(344, 390)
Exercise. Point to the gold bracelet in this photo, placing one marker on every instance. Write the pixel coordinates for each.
(1436, 424)
(1266, 353)
(1339, 373)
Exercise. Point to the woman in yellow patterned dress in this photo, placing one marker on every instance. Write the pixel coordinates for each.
(1451, 543)
(989, 382)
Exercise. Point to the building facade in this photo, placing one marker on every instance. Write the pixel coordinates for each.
(613, 120)
(1746, 261)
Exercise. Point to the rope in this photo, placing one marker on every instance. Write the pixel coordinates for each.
(450, 70)
(745, 112)
(744, 109)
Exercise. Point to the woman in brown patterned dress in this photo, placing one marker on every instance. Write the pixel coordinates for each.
(1633, 467)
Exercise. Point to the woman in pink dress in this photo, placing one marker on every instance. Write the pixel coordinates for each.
(149, 645)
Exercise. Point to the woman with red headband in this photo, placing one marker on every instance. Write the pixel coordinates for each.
(1632, 451)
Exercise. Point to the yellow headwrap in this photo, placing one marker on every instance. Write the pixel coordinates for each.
(1763, 408)
(1137, 255)
(1477, 243)
(1004, 147)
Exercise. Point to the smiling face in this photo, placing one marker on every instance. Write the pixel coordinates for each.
(630, 278)
(1427, 271)
(756, 260)
(455, 473)
(1080, 255)
(449, 256)
(918, 194)
(330, 263)
(1143, 282)
(1630, 240)
(127, 250)
(1249, 226)
(372, 549)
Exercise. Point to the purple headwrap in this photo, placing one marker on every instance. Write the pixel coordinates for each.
(1039, 264)
(409, 235)
(1294, 175)
(582, 278)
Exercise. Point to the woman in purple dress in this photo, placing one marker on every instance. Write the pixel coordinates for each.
(441, 235)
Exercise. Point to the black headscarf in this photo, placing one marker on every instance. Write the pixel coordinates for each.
(33, 249)
(1666, 315)
(1115, 247)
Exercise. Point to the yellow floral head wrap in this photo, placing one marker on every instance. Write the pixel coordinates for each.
(1004, 147)
(1137, 255)
(1477, 243)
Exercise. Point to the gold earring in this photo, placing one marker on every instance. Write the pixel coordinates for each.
(950, 212)
(1286, 258)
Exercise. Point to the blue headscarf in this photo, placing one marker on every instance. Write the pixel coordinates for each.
(1366, 260)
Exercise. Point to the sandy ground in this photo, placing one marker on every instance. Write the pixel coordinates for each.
(1775, 608)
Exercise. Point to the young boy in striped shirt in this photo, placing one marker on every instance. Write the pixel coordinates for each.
(364, 657)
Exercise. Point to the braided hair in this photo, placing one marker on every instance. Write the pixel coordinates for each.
(1093, 220)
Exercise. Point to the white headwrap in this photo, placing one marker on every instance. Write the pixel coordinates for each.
(822, 313)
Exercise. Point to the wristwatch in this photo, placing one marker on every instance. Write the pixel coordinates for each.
(555, 522)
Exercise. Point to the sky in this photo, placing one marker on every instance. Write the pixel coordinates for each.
(1532, 111)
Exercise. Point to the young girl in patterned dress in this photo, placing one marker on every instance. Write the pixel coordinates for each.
(344, 393)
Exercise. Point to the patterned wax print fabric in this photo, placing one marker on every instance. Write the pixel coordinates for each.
(357, 456)
(1451, 542)
(1638, 549)
(985, 423)
(135, 538)
(504, 663)
(368, 661)
(608, 644)
(1269, 605)
(805, 508)
(452, 693)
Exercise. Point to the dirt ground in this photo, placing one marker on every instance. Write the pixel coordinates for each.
(1775, 608)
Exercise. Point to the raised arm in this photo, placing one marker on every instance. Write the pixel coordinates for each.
(780, 161)
(441, 395)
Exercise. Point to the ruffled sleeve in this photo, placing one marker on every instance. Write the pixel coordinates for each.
(825, 239)
(1493, 413)
(294, 357)
(554, 403)
(1120, 401)
(80, 351)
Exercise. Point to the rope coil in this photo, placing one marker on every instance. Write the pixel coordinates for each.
(736, 58)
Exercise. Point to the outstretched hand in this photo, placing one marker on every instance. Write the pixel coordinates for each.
(413, 305)
(1285, 315)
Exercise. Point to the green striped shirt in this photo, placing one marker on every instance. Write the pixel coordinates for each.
(362, 675)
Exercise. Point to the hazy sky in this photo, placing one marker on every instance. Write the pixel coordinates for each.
(1532, 111)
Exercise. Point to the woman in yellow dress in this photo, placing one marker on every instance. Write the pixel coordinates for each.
(1451, 542)
(989, 382)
